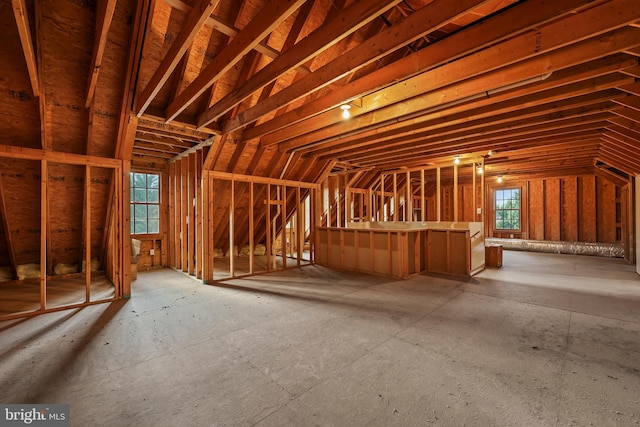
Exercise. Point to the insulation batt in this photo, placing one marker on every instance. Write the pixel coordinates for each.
(95, 265)
(28, 271)
(61, 268)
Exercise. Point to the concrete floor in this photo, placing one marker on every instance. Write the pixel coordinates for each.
(546, 340)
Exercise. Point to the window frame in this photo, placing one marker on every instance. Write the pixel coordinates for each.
(134, 204)
(496, 209)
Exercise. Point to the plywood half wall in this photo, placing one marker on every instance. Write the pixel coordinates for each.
(596, 208)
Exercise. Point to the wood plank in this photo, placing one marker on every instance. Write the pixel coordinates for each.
(196, 19)
(494, 29)
(104, 16)
(569, 209)
(347, 21)
(228, 29)
(390, 105)
(415, 26)
(184, 213)
(274, 12)
(587, 224)
(6, 228)
(537, 209)
(552, 210)
(22, 22)
(606, 210)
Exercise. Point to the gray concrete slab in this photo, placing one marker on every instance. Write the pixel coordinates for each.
(549, 340)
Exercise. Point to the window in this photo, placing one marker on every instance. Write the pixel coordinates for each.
(145, 203)
(508, 209)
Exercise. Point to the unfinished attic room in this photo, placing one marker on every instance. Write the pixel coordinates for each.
(320, 212)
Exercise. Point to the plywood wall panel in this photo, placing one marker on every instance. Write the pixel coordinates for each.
(21, 185)
(101, 183)
(108, 96)
(587, 226)
(606, 210)
(466, 207)
(19, 108)
(552, 210)
(536, 210)
(569, 210)
(66, 206)
(66, 42)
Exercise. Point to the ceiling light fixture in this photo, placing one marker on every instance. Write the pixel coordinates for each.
(345, 111)
(499, 178)
(479, 168)
(456, 160)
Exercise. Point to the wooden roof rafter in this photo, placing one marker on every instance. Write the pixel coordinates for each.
(273, 14)
(196, 19)
(495, 29)
(558, 54)
(104, 16)
(388, 40)
(24, 30)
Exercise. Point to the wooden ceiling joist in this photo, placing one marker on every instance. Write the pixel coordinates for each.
(627, 113)
(273, 13)
(497, 28)
(417, 25)
(346, 22)
(595, 102)
(389, 104)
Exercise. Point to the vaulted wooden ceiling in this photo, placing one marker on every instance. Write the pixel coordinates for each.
(548, 87)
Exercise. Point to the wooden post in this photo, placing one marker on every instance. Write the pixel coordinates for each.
(455, 193)
(423, 199)
(396, 202)
(438, 207)
(232, 207)
(268, 227)
(283, 231)
(408, 201)
(474, 198)
(299, 226)
(125, 230)
(207, 262)
(381, 207)
(198, 237)
(44, 213)
(347, 203)
(251, 229)
(482, 200)
(191, 233)
(87, 235)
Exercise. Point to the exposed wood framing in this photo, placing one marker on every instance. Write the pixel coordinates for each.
(22, 21)
(195, 21)
(275, 11)
(104, 16)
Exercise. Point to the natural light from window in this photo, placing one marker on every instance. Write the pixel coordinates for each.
(145, 203)
(507, 205)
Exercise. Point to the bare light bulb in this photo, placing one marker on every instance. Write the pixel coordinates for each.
(500, 179)
(456, 160)
(345, 111)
